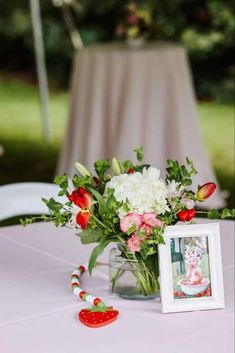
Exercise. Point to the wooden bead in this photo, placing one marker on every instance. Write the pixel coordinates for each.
(82, 268)
(96, 301)
(82, 294)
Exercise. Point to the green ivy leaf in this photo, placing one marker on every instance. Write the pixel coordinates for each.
(61, 219)
(24, 222)
(62, 181)
(187, 182)
(52, 204)
(213, 214)
(180, 173)
(63, 192)
(227, 213)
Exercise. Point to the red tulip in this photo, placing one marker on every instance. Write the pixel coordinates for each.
(81, 198)
(186, 215)
(205, 191)
(82, 218)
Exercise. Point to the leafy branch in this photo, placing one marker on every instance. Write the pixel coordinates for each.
(180, 173)
(226, 213)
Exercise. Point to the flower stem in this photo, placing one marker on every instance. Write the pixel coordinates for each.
(101, 223)
(202, 212)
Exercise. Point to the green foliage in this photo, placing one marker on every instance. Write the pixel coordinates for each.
(205, 28)
(90, 235)
(84, 182)
(139, 168)
(101, 202)
(139, 153)
(150, 245)
(225, 213)
(112, 205)
(59, 214)
(97, 251)
(29, 220)
(53, 205)
(62, 182)
(101, 166)
(61, 219)
(128, 165)
(180, 173)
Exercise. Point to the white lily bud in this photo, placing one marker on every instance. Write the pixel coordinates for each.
(82, 170)
(116, 166)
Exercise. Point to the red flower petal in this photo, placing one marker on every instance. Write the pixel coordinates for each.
(182, 215)
(191, 214)
(82, 218)
(205, 191)
(186, 215)
(80, 197)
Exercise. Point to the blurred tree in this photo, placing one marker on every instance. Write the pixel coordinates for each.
(205, 27)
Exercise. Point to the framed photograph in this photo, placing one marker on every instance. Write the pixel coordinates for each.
(190, 265)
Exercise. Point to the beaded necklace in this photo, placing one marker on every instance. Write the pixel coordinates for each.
(100, 314)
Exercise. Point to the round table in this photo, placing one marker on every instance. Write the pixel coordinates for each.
(38, 310)
(122, 98)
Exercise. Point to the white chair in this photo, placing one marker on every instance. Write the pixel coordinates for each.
(26, 199)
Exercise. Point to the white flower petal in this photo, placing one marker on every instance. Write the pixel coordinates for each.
(145, 192)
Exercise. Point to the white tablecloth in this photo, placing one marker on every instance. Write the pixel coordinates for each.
(37, 308)
(124, 98)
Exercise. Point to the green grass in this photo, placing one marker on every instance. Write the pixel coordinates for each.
(27, 157)
(217, 124)
(20, 112)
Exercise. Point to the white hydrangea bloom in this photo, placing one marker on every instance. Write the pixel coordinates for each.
(144, 192)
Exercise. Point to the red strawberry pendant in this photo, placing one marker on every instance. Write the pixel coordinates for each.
(98, 316)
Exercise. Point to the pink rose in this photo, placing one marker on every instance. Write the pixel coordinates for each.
(187, 202)
(131, 219)
(151, 220)
(134, 243)
(145, 230)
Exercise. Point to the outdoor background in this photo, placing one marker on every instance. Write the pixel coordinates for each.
(204, 27)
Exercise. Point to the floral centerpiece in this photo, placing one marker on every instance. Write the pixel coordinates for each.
(130, 205)
(136, 24)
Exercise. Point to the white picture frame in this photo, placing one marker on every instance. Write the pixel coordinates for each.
(212, 297)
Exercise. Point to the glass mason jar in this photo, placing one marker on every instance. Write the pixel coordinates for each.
(131, 277)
